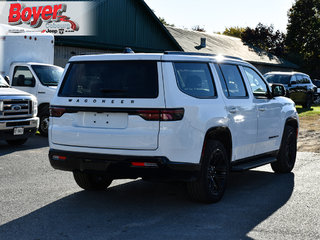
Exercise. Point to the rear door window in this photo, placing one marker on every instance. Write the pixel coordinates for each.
(111, 79)
(195, 79)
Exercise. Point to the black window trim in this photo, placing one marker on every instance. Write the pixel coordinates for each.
(244, 84)
(210, 71)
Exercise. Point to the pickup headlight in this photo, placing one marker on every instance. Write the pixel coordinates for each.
(1, 106)
(34, 107)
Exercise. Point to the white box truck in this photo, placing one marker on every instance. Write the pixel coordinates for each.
(27, 59)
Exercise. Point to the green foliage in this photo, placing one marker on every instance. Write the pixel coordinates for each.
(303, 37)
(315, 110)
(234, 31)
(198, 28)
(266, 38)
(164, 22)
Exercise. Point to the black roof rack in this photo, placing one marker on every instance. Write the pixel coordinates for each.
(199, 54)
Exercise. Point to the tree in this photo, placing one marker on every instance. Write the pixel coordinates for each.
(303, 35)
(164, 22)
(198, 28)
(266, 38)
(234, 31)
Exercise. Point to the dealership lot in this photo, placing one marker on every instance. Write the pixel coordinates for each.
(38, 202)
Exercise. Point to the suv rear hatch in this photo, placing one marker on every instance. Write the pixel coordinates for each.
(109, 104)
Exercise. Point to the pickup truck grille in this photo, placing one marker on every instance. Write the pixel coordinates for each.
(16, 108)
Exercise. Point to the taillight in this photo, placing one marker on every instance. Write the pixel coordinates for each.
(161, 114)
(150, 115)
(57, 112)
(171, 114)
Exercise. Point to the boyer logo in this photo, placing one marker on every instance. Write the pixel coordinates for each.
(36, 15)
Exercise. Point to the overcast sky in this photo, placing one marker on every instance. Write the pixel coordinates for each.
(216, 15)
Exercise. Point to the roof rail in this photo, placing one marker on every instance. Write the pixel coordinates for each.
(189, 53)
(199, 54)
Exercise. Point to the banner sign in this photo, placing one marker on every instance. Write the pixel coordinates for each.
(58, 18)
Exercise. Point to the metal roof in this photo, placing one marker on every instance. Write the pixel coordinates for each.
(226, 45)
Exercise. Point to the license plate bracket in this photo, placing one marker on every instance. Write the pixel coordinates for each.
(18, 131)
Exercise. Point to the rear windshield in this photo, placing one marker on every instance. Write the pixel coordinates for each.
(111, 79)
(276, 78)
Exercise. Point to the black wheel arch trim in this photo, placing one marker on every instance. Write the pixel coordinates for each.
(222, 134)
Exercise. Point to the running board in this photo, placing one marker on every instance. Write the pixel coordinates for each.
(239, 167)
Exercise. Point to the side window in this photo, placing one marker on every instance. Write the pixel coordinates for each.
(299, 79)
(309, 80)
(258, 86)
(233, 80)
(306, 80)
(22, 77)
(195, 79)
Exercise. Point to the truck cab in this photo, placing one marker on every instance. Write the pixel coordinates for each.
(40, 80)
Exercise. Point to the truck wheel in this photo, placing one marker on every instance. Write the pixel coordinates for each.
(308, 102)
(44, 125)
(17, 142)
(288, 150)
(211, 184)
(93, 182)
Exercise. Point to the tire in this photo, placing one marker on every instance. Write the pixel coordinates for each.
(212, 182)
(288, 150)
(44, 125)
(17, 142)
(91, 182)
(308, 102)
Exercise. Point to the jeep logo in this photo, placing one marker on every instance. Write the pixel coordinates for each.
(16, 107)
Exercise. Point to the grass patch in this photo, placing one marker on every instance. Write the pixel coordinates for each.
(313, 111)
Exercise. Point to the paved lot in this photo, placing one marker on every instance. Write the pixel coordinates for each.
(37, 202)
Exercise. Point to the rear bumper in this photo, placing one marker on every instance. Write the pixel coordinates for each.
(119, 166)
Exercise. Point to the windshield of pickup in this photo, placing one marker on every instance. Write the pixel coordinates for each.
(277, 78)
(3, 82)
(48, 75)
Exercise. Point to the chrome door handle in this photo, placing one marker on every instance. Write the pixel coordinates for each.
(262, 109)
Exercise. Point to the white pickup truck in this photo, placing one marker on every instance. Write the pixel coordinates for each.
(27, 58)
(18, 111)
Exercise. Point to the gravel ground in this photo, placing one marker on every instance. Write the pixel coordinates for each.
(309, 134)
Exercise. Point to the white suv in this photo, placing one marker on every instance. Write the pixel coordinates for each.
(172, 116)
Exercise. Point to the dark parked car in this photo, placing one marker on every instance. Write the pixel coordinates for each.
(317, 83)
(299, 86)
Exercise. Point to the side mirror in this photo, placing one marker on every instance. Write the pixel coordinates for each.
(7, 79)
(278, 90)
